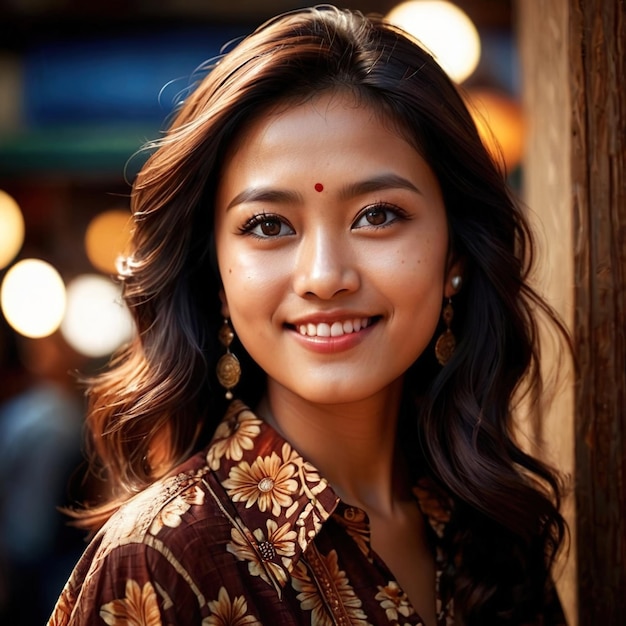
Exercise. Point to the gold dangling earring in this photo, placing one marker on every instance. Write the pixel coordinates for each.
(228, 369)
(446, 343)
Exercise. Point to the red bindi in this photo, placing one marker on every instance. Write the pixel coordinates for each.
(319, 187)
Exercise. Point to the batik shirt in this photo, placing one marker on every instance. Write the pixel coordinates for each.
(244, 533)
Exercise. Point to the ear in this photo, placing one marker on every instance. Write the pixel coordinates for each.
(454, 272)
(225, 310)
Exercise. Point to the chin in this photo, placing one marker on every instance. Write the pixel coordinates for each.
(336, 394)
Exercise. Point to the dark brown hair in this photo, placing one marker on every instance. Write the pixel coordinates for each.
(159, 400)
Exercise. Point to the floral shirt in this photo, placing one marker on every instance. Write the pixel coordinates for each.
(244, 533)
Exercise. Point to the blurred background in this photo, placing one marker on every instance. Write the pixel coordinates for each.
(83, 85)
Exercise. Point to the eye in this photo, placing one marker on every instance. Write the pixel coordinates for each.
(379, 215)
(266, 226)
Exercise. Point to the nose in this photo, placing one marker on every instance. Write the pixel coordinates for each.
(325, 266)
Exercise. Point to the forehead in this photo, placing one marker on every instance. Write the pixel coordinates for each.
(306, 137)
(289, 109)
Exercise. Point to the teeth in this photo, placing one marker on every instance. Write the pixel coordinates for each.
(336, 329)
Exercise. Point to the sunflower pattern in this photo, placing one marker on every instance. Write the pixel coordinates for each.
(171, 514)
(235, 434)
(262, 551)
(227, 612)
(394, 601)
(244, 533)
(268, 483)
(339, 592)
(139, 607)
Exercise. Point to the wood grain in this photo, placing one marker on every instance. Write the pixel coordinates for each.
(597, 32)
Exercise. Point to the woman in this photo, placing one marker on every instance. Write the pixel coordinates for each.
(323, 204)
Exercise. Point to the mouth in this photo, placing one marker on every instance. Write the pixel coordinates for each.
(335, 329)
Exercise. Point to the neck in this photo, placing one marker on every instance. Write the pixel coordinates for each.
(353, 445)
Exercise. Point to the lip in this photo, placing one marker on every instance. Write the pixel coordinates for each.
(332, 344)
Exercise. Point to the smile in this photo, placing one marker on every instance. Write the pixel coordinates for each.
(336, 329)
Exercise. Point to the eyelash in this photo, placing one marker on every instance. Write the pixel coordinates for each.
(399, 214)
(257, 220)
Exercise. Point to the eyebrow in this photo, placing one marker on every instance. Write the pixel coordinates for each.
(285, 196)
(377, 183)
(265, 194)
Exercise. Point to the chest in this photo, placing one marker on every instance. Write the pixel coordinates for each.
(362, 569)
(402, 545)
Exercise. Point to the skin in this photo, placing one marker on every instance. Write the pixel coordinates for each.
(324, 214)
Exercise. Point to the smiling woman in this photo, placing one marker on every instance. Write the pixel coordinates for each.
(323, 205)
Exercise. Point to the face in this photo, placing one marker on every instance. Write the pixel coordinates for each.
(332, 245)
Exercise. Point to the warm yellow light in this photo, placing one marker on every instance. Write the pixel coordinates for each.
(11, 229)
(106, 238)
(33, 298)
(445, 30)
(96, 321)
(500, 122)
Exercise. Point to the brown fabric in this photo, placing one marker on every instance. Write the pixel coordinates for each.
(244, 533)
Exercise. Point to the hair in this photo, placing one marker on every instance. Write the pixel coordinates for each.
(159, 400)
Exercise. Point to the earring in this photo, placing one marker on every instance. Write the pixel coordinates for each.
(446, 343)
(228, 369)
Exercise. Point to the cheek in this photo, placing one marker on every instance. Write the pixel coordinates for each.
(250, 282)
(414, 283)
(412, 266)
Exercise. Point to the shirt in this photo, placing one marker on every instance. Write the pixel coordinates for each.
(244, 533)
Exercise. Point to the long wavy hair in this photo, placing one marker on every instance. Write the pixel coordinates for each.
(159, 401)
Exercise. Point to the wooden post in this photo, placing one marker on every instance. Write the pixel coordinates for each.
(598, 89)
(543, 42)
(574, 70)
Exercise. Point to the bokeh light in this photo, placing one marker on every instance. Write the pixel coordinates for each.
(11, 228)
(96, 321)
(445, 30)
(32, 298)
(501, 124)
(106, 238)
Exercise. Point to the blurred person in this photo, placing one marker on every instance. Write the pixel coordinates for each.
(41, 420)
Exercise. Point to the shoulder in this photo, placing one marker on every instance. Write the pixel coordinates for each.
(156, 550)
(184, 501)
(179, 519)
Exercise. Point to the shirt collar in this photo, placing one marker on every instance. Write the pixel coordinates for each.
(279, 498)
